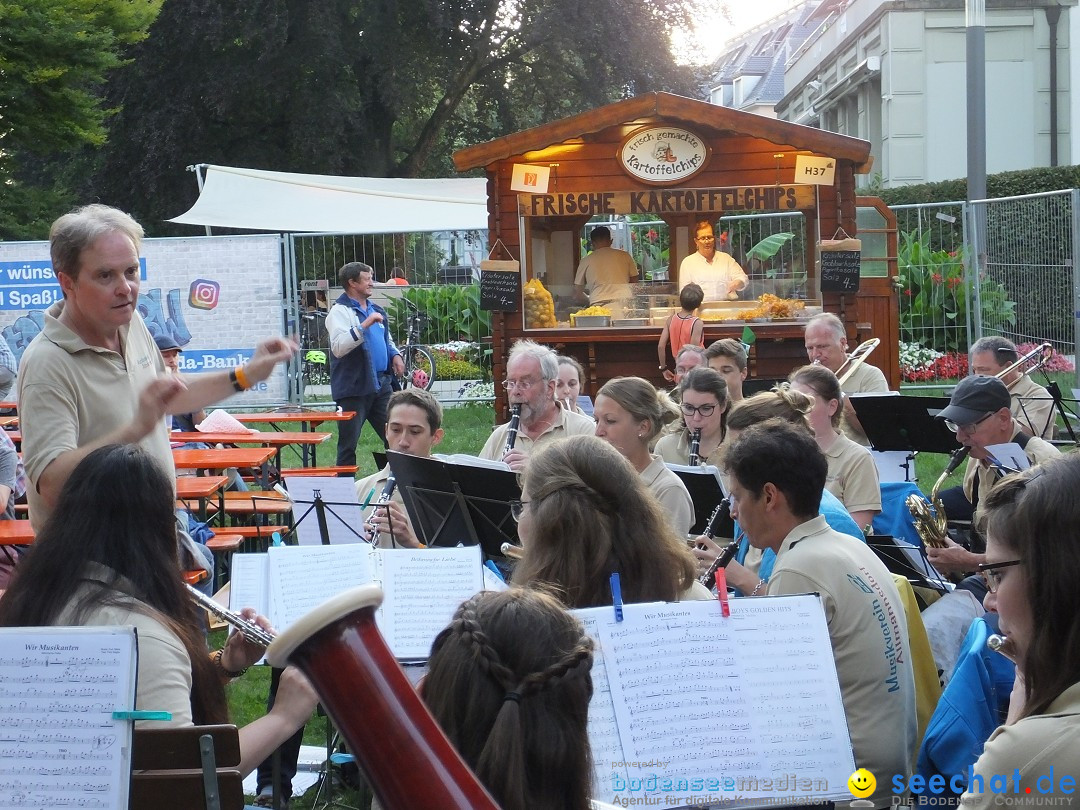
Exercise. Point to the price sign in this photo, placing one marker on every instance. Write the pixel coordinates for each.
(500, 290)
(840, 270)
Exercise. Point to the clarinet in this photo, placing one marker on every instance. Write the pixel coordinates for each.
(512, 429)
(384, 498)
(695, 449)
(723, 510)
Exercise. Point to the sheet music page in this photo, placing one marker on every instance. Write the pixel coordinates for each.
(1010, 454)
(342, 509)
(423, 589)
(607, 752)
(714, 710)
(248, 583)
(303, 577)
(59, 745)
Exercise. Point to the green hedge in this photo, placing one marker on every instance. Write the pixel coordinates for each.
(1003, 184)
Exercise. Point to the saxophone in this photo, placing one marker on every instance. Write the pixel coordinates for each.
(930, 521)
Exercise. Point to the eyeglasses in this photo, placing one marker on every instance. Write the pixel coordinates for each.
(704, 410)
(524, 385)
(969, 428)
(704, 238)
(991, 573)
(516, 508)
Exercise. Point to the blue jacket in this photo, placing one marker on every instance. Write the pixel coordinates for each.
(970, 708)
(351, 371)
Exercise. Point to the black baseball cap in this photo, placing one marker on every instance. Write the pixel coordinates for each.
(166, 343)
(973, 398)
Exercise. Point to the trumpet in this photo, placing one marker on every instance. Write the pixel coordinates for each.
(248, 629)
(384, 498)
(512, 428)
(856, 359)
(512, 551)
(695, 449)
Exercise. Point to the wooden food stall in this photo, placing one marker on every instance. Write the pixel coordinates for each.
(674, 160)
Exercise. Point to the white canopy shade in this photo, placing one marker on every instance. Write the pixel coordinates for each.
(282, 201)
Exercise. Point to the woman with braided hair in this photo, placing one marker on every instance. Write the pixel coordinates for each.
(585, 513)
(509, 683)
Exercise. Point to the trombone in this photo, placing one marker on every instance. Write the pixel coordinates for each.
(1041, 354)
(855, 359)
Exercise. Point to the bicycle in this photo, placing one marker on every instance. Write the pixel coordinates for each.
(420, 371)
(315, 368)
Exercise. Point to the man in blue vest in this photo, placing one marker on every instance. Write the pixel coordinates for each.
(363, 358)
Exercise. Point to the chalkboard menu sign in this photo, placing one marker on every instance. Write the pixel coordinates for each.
(500, 290)
(840, 270)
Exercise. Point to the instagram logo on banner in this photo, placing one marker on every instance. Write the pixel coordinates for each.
(204, 294)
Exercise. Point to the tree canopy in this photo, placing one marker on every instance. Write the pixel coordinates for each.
(364, 87)
(55, 56)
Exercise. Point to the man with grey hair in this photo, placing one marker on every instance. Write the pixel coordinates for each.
(1032, 405)
(95, 376)
(689, 356)
(531, 374)
(826, 343)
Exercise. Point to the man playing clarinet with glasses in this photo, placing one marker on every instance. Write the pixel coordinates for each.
(532, 371)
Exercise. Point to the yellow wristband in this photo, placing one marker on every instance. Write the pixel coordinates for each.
(241, 378)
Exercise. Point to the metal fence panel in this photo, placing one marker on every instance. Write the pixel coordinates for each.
(442, 268)
(1020, 284)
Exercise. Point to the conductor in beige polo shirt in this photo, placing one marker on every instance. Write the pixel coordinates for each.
(94, 375)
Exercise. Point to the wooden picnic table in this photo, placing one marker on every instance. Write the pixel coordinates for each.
(307, 419)
(202, 488)
(277, 439)
(16, 533)
(223, 459)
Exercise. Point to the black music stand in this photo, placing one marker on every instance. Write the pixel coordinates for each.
(755, 385)
(334, 525)
(909, 424)
(706, 491)
(452, 504)
(908, 561)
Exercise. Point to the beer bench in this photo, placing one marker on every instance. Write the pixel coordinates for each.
(189, 768)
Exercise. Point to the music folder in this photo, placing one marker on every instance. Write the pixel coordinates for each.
(893, 422)
(458, 500)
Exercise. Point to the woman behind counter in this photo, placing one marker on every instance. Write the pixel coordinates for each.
(1032, 568)
(629, 414)
(108, 556)
(585, 514)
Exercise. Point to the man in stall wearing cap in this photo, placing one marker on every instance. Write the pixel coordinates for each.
(979, 414)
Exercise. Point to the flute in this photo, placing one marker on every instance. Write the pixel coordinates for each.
(384, 498)
(248, 629)
(512, 551)
(512, 428)
(695, 449)
(1002, 646)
